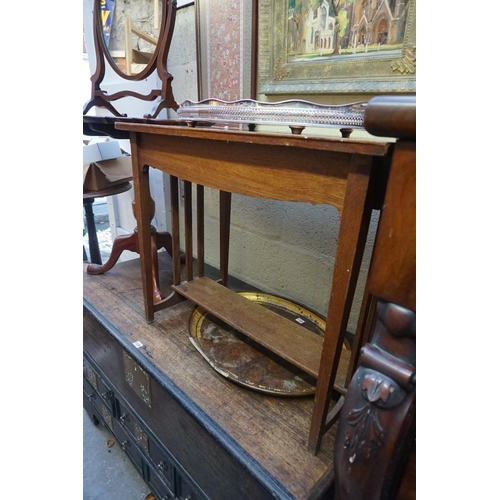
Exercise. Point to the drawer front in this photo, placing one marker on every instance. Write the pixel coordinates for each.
(157, 483)
(89, 374)
(159, 459)
(163, 463)
(129, 421)
(89, 394)
(100, 386)
(186, 489)
(127, 444)
(88, 397)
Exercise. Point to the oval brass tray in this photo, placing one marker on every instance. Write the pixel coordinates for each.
(243, 361)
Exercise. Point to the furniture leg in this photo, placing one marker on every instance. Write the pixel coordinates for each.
(365, 326)
(374, 453)
(376, 431)
(128, 242)
(95, 255)
(142, 214)
(200, 229)
(174, 209)
(100, 102)
(121, 243)
(353, 231)
(188, 228)
(225, 224)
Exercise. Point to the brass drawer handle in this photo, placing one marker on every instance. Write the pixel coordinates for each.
(106, 395)
(88, 396)
(162, 466)
(123, 417)
(124, 445)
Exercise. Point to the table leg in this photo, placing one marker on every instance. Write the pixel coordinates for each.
(353, 231)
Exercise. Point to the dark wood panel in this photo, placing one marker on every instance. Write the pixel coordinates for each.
(207, 463)
(394, 278)
(382, 394)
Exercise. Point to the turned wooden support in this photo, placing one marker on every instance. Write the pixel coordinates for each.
(130, 242)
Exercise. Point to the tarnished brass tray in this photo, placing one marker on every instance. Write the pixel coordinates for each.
(244, 362)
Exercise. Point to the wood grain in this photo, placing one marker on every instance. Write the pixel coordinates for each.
(269, 432)
(292, 342)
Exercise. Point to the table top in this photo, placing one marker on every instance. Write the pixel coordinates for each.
(109, 191)
(375, 147)
(105, 125)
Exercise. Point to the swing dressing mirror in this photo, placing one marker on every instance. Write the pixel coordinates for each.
(134, 38)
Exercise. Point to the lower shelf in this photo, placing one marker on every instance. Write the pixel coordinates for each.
(290, 341)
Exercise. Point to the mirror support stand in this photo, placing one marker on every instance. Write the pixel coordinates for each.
(101, 98)
(166, 95)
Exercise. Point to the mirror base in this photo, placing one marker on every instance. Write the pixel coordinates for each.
(102, 103)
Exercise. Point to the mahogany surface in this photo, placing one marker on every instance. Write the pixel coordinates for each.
(375, 452)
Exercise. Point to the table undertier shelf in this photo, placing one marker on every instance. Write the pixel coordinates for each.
(288, 340)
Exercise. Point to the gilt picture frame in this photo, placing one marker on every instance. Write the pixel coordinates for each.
(336, 46)
(226, 41)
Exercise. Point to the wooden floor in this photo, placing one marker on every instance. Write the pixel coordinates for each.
(269, 433)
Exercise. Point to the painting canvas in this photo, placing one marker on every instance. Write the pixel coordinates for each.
(337, 46)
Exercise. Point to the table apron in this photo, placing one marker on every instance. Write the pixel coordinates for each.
(265, 171)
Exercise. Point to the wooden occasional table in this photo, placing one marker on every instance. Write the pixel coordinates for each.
(346, 173)
(88, 201)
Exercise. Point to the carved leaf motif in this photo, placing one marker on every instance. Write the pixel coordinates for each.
(376, 388)
(367, 433)
(407, 64)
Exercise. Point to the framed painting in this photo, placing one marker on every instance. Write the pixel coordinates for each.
(226, 39)
(337, 46)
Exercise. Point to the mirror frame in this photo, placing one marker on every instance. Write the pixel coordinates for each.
(158, 61)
